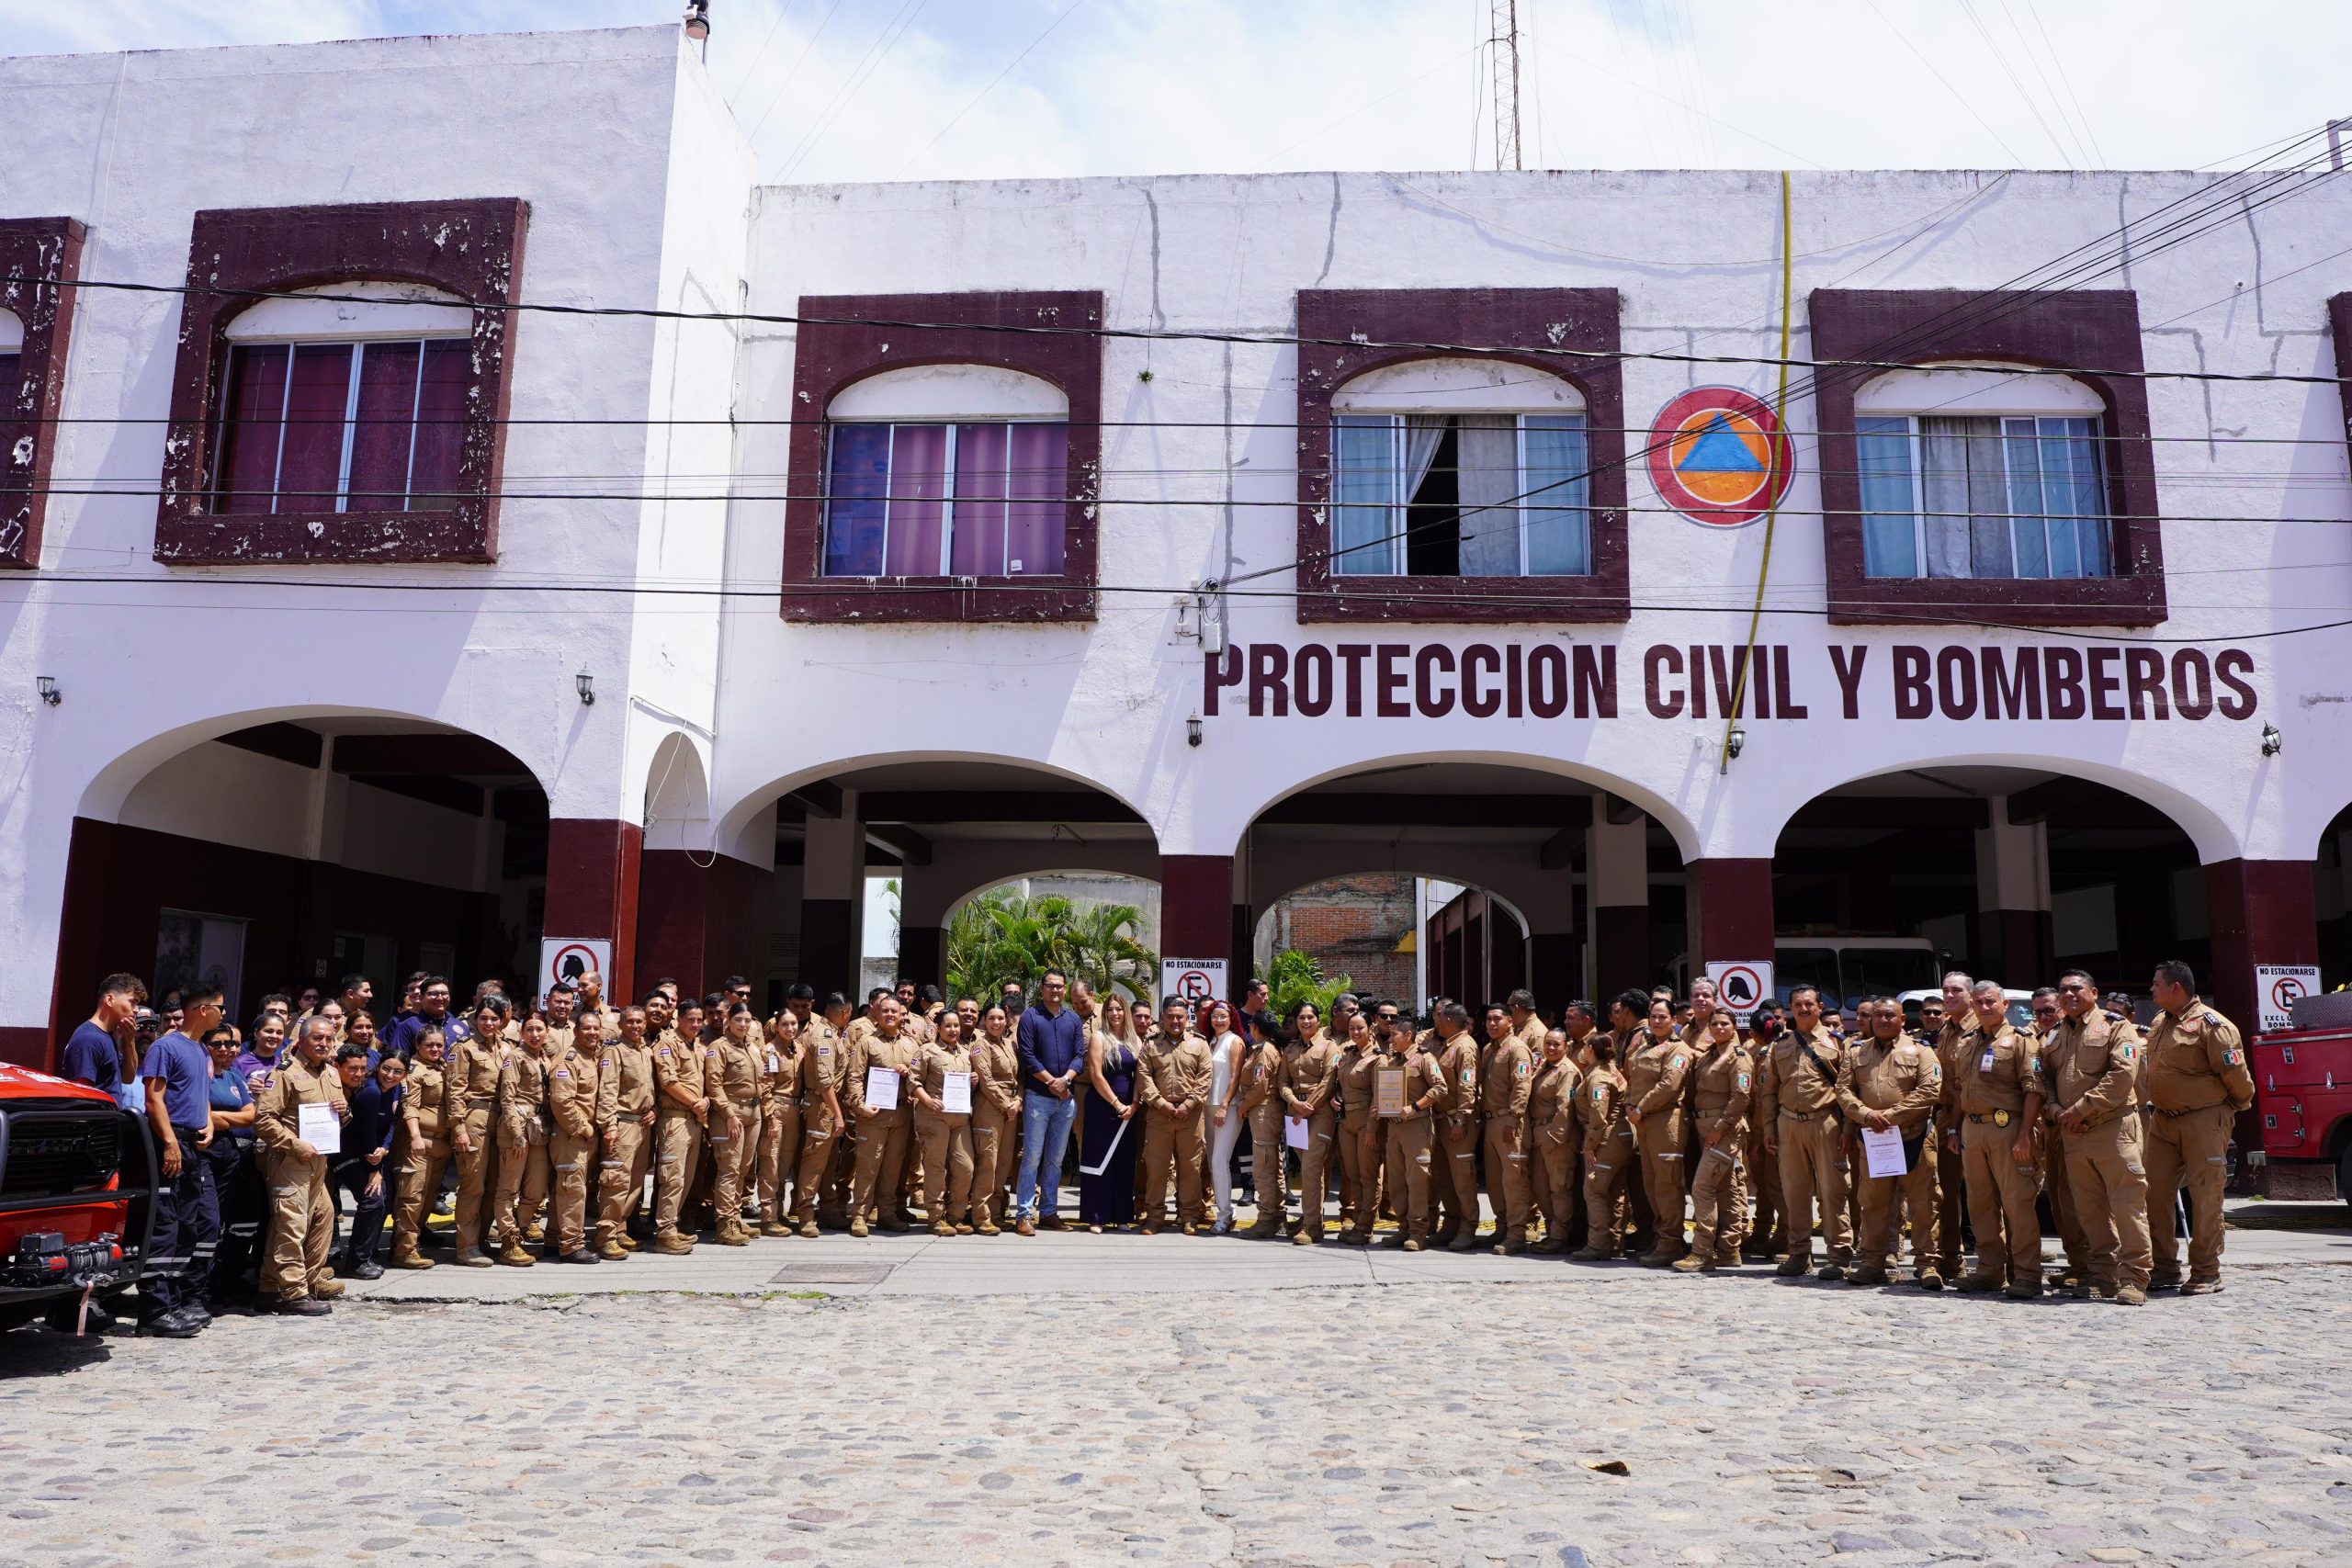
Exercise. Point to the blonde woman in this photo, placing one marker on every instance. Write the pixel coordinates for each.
(1106, 1171)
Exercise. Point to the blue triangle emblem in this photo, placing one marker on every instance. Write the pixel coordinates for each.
(1719, 450)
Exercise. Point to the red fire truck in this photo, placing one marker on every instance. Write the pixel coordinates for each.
(2302, 1101)
(76, 1195)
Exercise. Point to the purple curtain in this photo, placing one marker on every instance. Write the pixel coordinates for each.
(248, 463)
(310, 464)
(380, 446)
(917, 488)
(978, 548)
(440, 423)
(855, 489)
(1039, 489)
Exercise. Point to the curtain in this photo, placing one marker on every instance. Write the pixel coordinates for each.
(247, 473)
(444, 380)
(1039, 484)
(1487, 449)
(977, 547)
(1890, 539)
(1364, 447)
(858, 478)
(1967, 521)
(918, 494)
(1557, 514)
(309, 463)
(379, 440)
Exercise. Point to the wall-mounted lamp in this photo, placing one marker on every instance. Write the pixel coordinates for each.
(2272, 740)
(1193, 730)
(697, 19)
(587, 686)
(1735, 742)
(47, 686)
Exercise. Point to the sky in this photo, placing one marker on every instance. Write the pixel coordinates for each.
(842, 90)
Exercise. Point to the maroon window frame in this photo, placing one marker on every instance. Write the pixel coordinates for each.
(1517, 325)
(2339, 322)
(2083, 331)
(844, 342)
(472, 249)
(47, 252)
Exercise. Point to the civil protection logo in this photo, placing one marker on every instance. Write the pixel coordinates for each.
(1719, 457)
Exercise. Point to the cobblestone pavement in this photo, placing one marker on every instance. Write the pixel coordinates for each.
(1757, 1420)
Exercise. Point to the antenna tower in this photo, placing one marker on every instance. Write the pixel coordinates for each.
(1502, 70)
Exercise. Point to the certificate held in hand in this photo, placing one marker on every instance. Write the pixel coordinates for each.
(1882, 1153)
(955, 1094)
(1388, 1092)
(319, 1127)
(882, 1088)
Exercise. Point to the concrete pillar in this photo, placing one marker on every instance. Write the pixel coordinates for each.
(701, 918)
(2262, 912)
(594, 865)
(2012, 938)
(1731, 909)
(1617, 898)
(832, 898)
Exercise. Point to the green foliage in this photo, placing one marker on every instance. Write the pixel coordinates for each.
(1006, 936)
(1295, 978)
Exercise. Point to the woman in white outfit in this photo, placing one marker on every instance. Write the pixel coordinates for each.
(1224, 1116)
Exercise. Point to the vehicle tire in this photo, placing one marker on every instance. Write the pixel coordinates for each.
(16, 1315)
(2343, 1175)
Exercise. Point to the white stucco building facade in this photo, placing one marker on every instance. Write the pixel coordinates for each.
(348, 734)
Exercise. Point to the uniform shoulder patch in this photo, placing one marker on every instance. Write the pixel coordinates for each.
(662, 1051)
(2130, 1052)
(2229, 1058)
(1522, 1069)
(1676, 1064)
(1742, 1080)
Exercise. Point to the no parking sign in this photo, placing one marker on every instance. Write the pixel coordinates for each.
(1742, 986)
(2276, 988)
(1196, 980)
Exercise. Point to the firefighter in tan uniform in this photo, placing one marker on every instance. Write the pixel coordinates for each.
(2092, 1067)
(824, 1118)
(571, 1146)
(737, 1062)
(1506, 1083)
(1654, 1092)
(996, 1114)
(1797, 1095)
(1997, 1099)
(1173, 1079)
(1947, 1037)
(945, 1134)
(2197, 1082)
(882, 1133)
(1352, 1097)
(1553, 1139)
(425, 1146)
(474, 1070)
(2050, 1150)
(1261, 1108)
(1608, 1150)
(1723, 1081)
(294, 1276)
(1453, 1164)
(1889, 1082)
(683, 1104)
(1408, 1138)
(782, 1060)
(625, 1116)
(1310, 1068)
(522, 1141)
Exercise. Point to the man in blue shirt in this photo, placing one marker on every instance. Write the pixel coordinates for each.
(179, 1105)
(91, 1055)
(1052, 1045)
(433, 1012)
(376, 1099)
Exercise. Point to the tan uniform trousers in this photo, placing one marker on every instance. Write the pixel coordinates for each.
(2000, 1204)
(1266, 1164)
(1761, 1173)
(1604, 1182)
(735, 1163)
(301, 1225)
(1453, 1175)
(1660, 1139)
(1813, 1175)
(421, 1169)
(1879, 1243)
(1950, 1174)
(820, 1142)
(992, 1159)
(1315, 1163)
(569, 1160)
(476, 1175)
(1407, 1172)
(522, 1187)
(1178, 1141)
(2190, 1150)
(1718, 1210)
(778, 1155)
(620, 1178)
(1507, 1182)
(1553, 1168)
(1359, 1174)
(947, 1163)
(881, 1161)
(2110, 1182)
(840, 1173)
(677, 1155)
(2055, 1181)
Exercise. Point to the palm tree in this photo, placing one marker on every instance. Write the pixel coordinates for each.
(1001, 936)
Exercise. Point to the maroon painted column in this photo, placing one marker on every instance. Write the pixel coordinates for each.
(1196, 909)
(700, 920)
(1730, 910)
(922, 955)
(593, 870)
(2260, 911)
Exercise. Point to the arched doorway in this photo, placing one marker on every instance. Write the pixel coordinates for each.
(1400, 936)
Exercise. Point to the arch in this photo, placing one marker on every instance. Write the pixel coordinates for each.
(1975, 387)
(950, 390)
(391, 309)
(677, 796)
(744, 807)
(12, 332)
(1442, 384)
(1094, 864)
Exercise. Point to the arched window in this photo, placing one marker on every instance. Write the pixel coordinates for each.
(1460, 468)
(337, 405)
(1981, 472)
(947, 470)
(11, 345)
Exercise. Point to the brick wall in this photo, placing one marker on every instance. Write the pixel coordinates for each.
(1351, 926)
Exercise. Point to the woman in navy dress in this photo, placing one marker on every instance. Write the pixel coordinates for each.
(1113, 1144)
